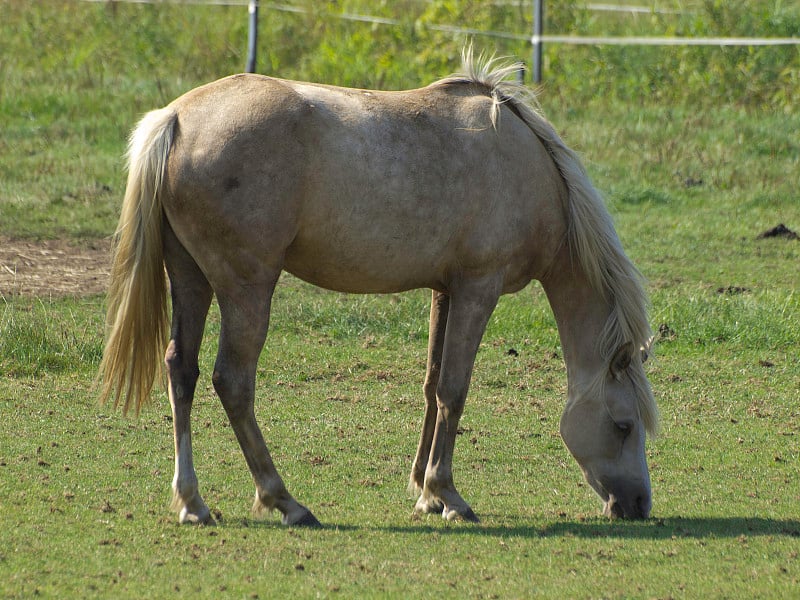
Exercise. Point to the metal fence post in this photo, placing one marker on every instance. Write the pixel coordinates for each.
(252, 37)
(538, 28)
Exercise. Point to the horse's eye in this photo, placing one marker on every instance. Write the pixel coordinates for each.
(624, 427)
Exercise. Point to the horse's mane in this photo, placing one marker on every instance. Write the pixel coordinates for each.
(592, 237)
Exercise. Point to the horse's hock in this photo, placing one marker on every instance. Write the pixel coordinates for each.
(53, 267)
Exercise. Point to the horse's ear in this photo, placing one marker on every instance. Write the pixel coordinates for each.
(621, 360)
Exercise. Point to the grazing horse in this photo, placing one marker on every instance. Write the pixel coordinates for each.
(461, 187)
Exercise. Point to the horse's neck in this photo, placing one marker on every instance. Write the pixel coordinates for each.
(581, 314)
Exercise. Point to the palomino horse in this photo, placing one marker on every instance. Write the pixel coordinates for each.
(460, 187)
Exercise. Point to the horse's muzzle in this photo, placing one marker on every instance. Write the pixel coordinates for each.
(636, 506)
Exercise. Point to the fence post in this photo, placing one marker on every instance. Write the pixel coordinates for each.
(538, 28)
(252, 37)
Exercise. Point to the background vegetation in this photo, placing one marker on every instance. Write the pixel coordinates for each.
(697, 152)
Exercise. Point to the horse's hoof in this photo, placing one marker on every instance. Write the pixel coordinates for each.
(203, 518)
(306, 520)
(462, 515)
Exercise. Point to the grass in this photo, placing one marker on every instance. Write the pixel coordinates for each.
(339, 401)
(691, 180)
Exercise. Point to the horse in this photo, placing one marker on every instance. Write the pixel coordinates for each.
(461, 187)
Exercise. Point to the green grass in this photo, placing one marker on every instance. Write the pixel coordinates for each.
(693, 173)
(339, 401)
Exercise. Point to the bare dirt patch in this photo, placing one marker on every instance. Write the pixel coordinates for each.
(53, 267)
(780, 231)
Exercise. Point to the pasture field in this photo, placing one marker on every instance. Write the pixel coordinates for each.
(692, 176)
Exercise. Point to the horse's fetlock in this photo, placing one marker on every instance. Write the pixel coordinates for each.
(269, 494)
(415, 483)
(260, 508)
(436, 482)
(184, 490)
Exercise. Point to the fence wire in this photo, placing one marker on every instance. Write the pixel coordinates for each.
(550, 38)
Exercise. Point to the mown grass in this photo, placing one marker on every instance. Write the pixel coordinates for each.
(339, 401)
(693, 177)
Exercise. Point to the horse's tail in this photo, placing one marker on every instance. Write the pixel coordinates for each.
(136, 318)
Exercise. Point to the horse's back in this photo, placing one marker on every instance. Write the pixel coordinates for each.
(361, 190)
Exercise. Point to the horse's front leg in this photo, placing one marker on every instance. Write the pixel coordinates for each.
(471, 304)
(440, 304)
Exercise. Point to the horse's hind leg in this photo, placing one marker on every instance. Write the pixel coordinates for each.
(440, 304)
(244, 321)
(191, 297)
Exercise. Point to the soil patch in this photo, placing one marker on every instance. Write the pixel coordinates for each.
(732, 290)
(53, 267)
(779, 231)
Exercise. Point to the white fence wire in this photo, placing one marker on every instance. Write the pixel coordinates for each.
(664, 41)
(550, 38)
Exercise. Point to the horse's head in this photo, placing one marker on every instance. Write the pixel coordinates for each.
(603, 428)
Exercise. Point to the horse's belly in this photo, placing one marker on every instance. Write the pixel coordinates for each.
(396, 255)
(380, 266)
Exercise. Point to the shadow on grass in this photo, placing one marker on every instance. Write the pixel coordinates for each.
(652, 529)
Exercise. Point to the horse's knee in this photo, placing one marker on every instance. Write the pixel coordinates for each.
(429, 390)
(222, 383)
(171, 357)
(235, 394)
(177, 364)
(451, 399)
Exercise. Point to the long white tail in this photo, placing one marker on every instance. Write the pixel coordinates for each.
(136, 318)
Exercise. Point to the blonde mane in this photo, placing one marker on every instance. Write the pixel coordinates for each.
(593, 241)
